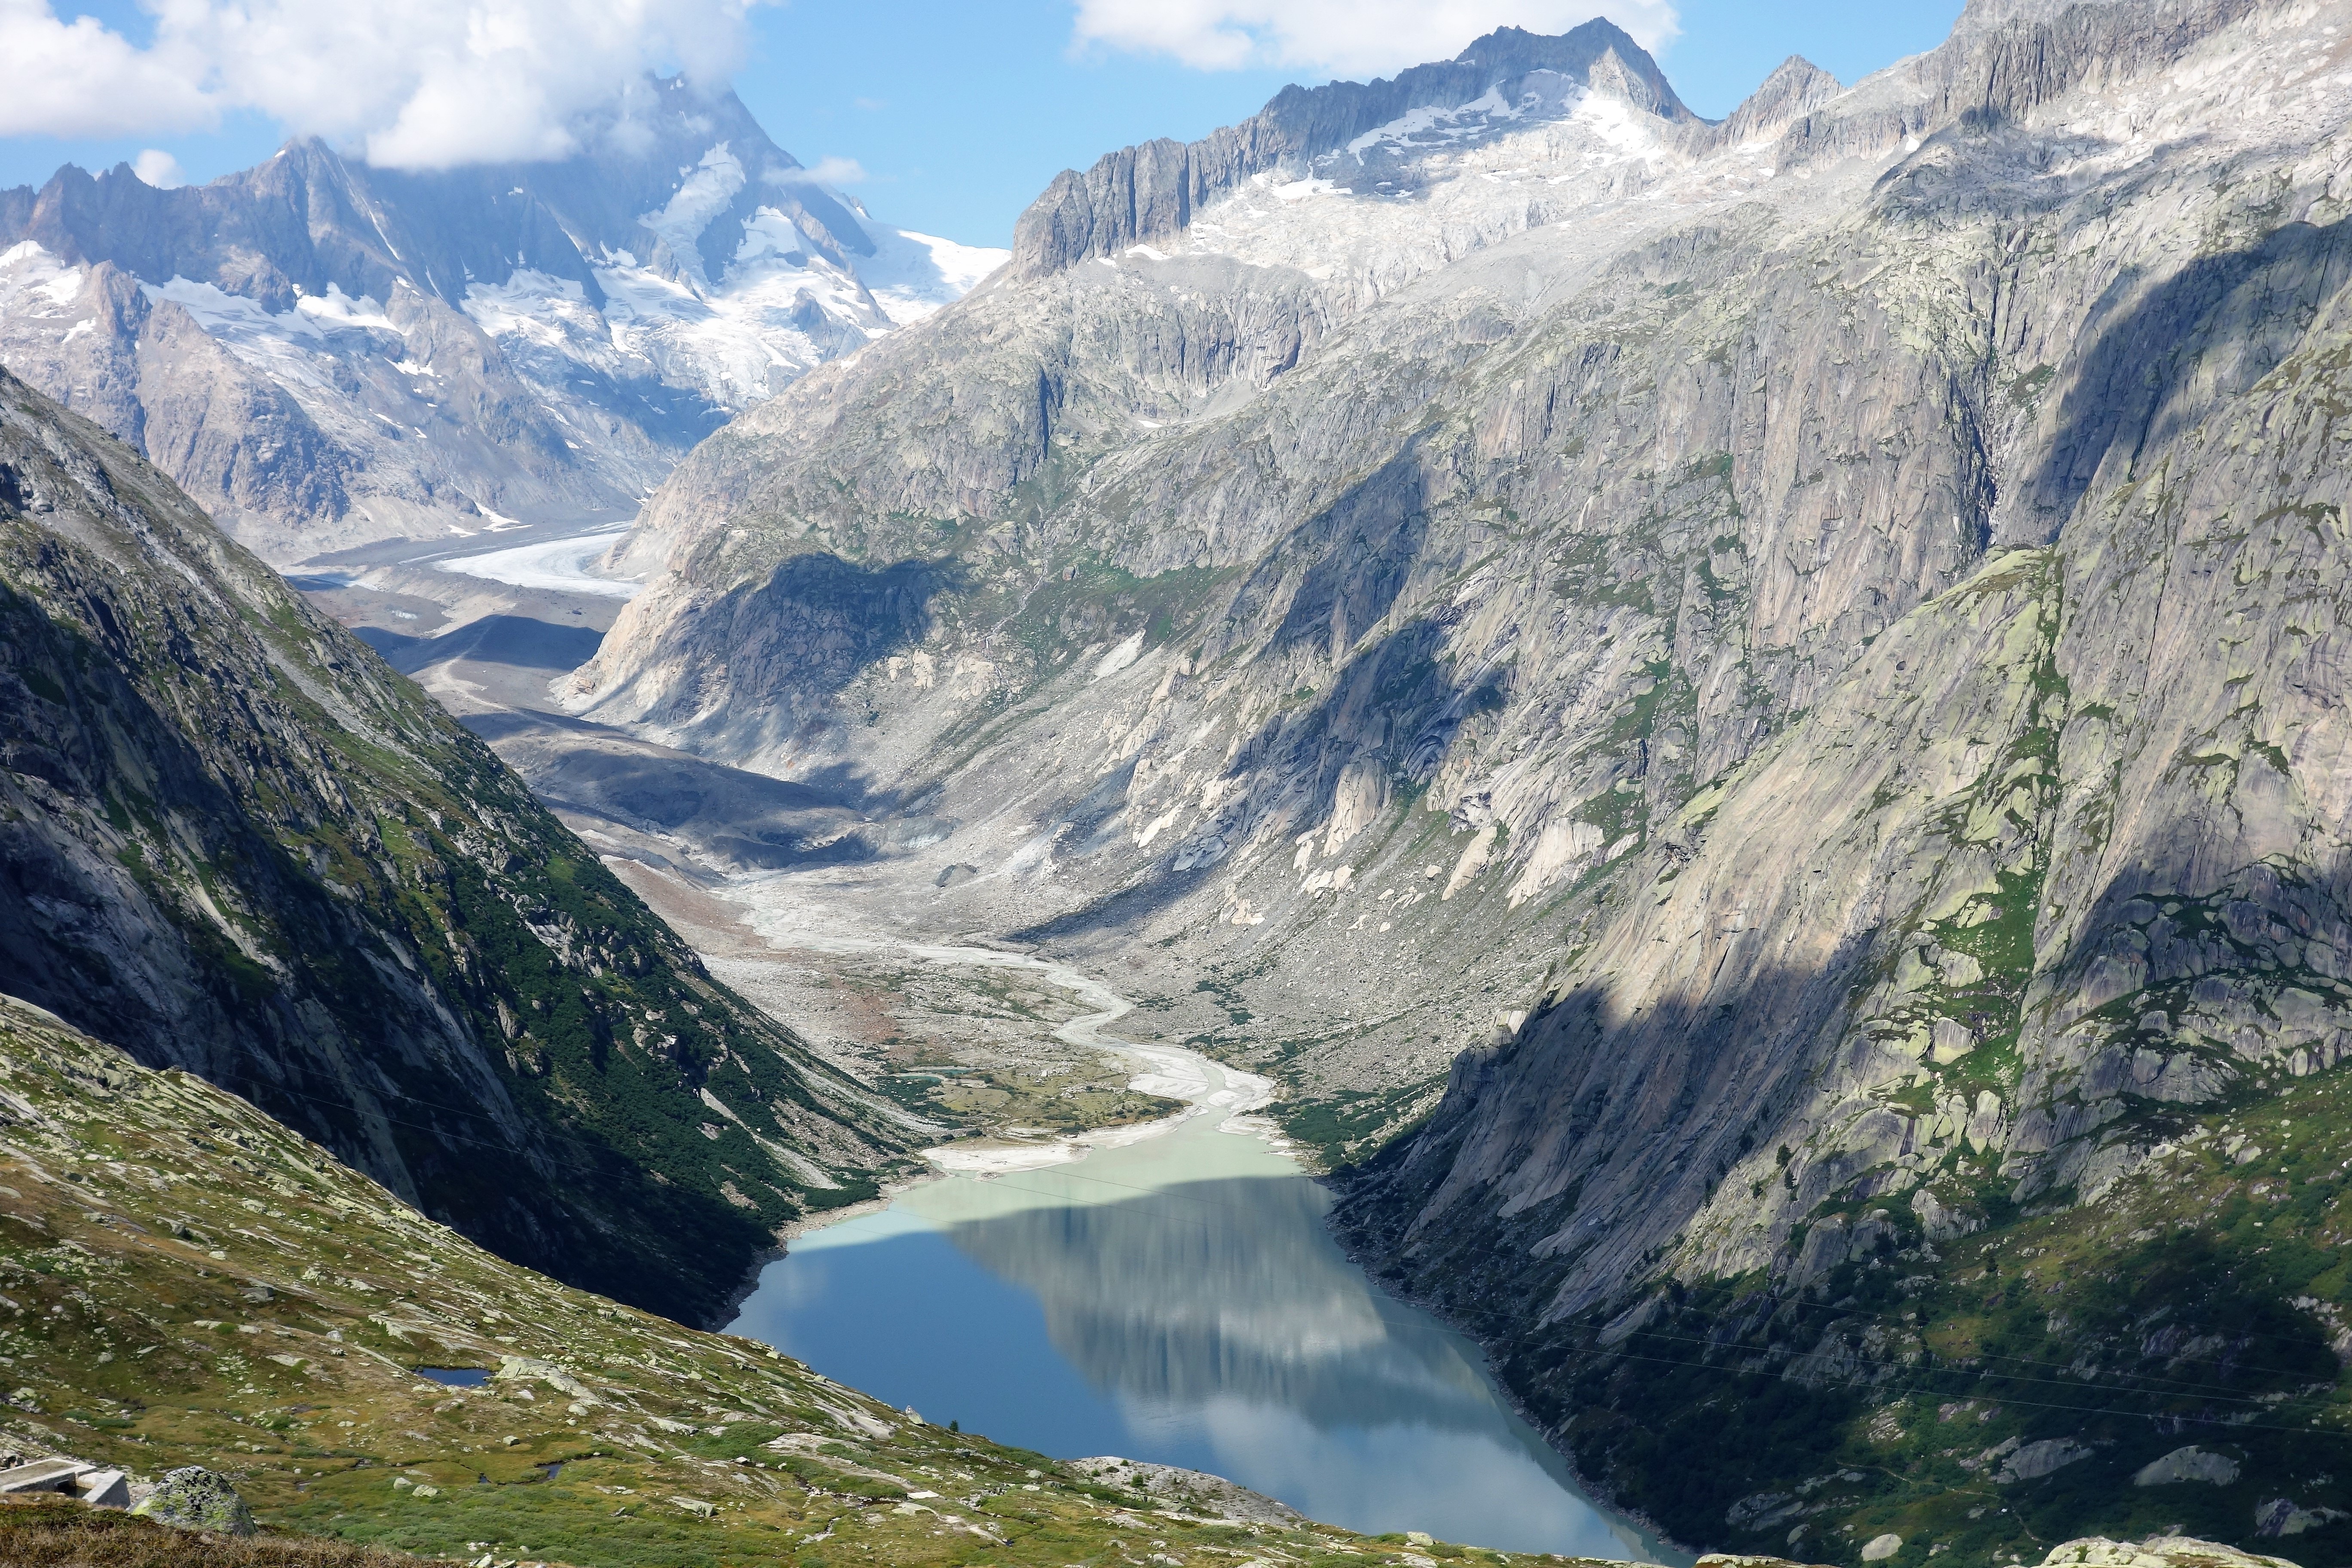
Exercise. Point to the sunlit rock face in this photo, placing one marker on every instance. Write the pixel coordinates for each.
(326, 353)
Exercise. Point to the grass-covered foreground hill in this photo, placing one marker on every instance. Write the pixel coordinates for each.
(184, 1281)
(233, 840)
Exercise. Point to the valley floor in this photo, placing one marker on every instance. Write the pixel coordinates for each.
(779, 886)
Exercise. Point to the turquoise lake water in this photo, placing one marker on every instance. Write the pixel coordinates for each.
(1178, 1300)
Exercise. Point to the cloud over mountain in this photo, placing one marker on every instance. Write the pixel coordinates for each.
(1355, 38)
(418, 84)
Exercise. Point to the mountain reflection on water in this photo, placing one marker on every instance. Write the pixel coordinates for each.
(1228, 1289)
(1178, 1300)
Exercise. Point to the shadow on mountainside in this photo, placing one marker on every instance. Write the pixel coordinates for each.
(792, 644)
(1359, 553)
(2164, 1314)
(1392, 704)
(522, 641)
(1395, 707)
(1538, 1204)
(741, 819)
(2225, 321)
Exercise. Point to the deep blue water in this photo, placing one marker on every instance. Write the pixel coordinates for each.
(455, 1376)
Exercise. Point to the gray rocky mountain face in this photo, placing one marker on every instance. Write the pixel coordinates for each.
(1809, 645)
(325, 353)
(1152, 192)
(233, 841)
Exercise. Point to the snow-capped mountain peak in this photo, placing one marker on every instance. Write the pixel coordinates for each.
(528, 340)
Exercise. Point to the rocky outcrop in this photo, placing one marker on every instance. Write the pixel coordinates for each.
(233, 841)
(1195, 1490)
(2156, 1551)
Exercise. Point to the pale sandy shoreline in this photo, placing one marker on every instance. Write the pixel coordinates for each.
(1172, 1072)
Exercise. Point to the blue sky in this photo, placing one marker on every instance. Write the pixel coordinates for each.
(960, 113)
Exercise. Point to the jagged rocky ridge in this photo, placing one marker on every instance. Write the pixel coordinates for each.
(1818, 633)
(326, 353)
(1149, 194)
(235, 841)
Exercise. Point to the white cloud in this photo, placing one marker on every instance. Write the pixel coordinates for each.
(1353, 38)
(414, 83)
(79, 79)
(837, 172)
(159, 169)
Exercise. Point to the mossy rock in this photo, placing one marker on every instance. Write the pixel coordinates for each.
(195, 1498)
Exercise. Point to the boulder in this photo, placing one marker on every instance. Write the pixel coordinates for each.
(2037, 1459)
(2189, 1464)
(195, 1498)
(2282, 1516)
(518, 1369)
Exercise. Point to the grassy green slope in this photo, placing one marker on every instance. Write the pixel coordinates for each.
(183, 1280)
